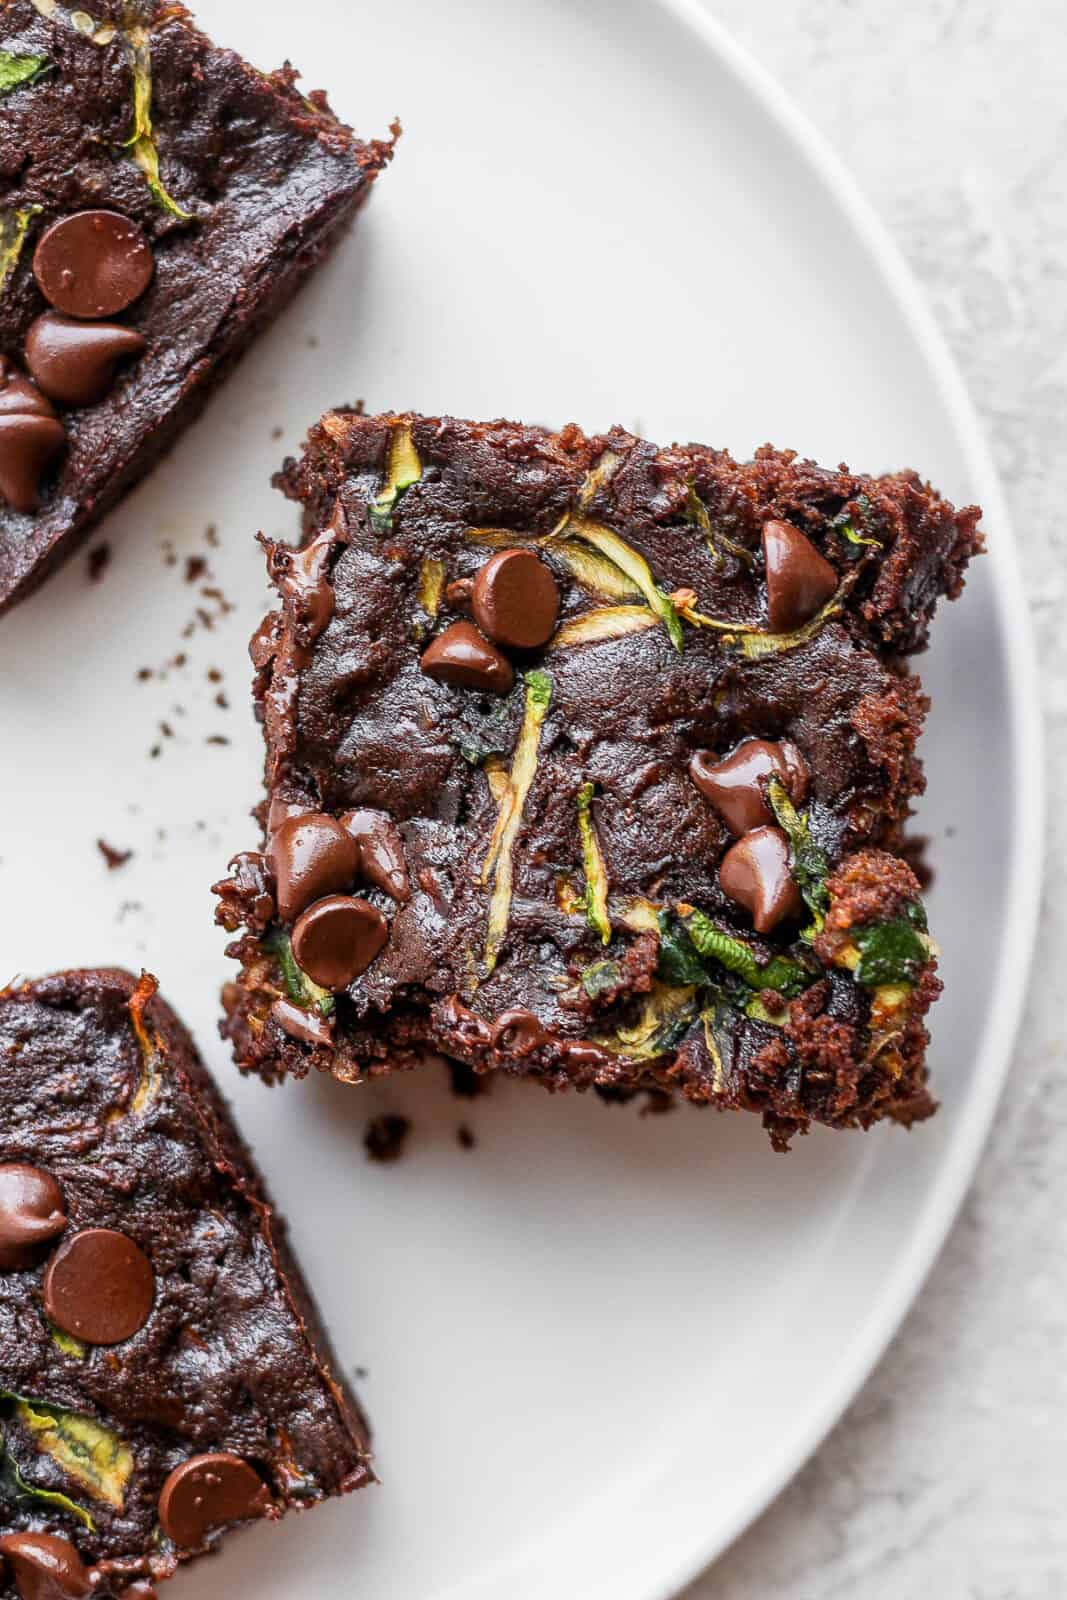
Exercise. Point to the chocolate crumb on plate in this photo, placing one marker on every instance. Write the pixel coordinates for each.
(114, 858)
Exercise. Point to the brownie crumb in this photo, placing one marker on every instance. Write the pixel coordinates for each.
(465, 1138)
(144, 673)
(386, 1136)
(211, 535)
(195, 568)
(98, 561)
(216, 738)
(114, 858)
(466, 1083)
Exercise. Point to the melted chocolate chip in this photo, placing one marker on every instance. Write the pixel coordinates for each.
(755, 873)
(309, 1027)
(207, 1491)
(737, 785)
(251, 880)
(93, 264)
(32, 1214)
(312, 856)
(31, 438)
(799, 579)
(517, 1032)
(515, 600)
(74, 362)
(463, 658)
(45, 1567)
(99, 1286)
(303, 577)
(337, 938)
(381, 852)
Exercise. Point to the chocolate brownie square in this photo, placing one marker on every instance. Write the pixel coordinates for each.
(588, 761)
(160, 200)
(163, 1372)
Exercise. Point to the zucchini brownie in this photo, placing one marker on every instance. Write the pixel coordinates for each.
(160, 200)
(163, 1372)
(588, 761)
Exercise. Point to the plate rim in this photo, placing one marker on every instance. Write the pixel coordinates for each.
(929, 1234)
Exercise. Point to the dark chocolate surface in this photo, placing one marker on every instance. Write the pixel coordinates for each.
(352, 719)
(101, 1088)
(265, 177)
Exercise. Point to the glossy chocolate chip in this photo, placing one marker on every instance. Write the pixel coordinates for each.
(312, 856)
(517, 1032)
(308, 1027)
(337, 938)
(31, 438)
(462, 657)
(32, 1214)
(19, 396)
(515, 600)
(737, 785)
(93, 264)
(755, 873)
(381, 851)
(799, 579)
(74, 362)
(280, 811)
(99, 1286)
(458, 593)
(45, 1567)
(208, 1491)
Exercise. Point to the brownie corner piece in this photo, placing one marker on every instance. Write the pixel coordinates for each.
(160, 200)
(590, 761)
(163, 1372)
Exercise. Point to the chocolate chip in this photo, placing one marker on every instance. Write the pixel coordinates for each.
(280, 811)
(515, 600)
(799, 579)
(458, 593)
(31, 438)
(381, 852)
(93, 264)
(755, 873)
(462, 657)
(75, 362)
(737, 785)
(207, 1491)
(45, 1567)
(517, 1032)
(309, 1027)
(32, 1213)
(99, 1286)
(337, 938)
(312, 856)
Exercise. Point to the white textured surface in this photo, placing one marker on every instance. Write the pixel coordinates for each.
(948, 1475)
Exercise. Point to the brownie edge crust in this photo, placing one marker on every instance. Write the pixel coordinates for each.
(588, 761)
(163, 1371)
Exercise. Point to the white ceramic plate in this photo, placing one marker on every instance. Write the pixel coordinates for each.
(597, 1345)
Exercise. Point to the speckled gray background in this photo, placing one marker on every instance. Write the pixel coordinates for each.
(947, 1479)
